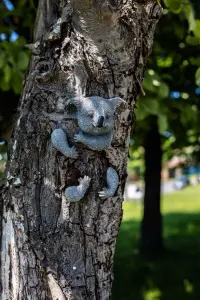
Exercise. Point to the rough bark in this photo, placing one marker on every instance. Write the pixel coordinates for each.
(53, 249)
(151, 228)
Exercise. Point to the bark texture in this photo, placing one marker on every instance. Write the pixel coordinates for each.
(53, 249)
(151, 230)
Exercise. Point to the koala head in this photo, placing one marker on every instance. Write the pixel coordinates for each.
(95, 115)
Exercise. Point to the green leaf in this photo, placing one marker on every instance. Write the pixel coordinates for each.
(4, 86)
(16, 82)
(165, 62)
(21, 41)
(145, 107)
(190, 16)
(11, 60)
(2, 59)
(197, 76)
(148, 106)
(163, 90)
(192, 40)
(22, 60)
(140, 112)
(195, 61)
(22, 2)
(174, 5)
(168, 143)
(7, 73)
(151, 106)
(6, 30)
(187, 115)
(162, 123)
(193, 139)
(197, 28)
(180, 32)
(151, 82)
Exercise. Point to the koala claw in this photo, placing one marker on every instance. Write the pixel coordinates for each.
(85, 181)
(77, 137)
(104, 194)
(112, 179)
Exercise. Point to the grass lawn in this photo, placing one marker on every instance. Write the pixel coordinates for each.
(176, 274)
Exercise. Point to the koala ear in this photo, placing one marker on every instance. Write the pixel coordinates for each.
(72, 105)
(118, 102)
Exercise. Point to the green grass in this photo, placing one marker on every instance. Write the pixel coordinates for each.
(176, 274)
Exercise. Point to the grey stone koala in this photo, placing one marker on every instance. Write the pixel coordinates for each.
(95, 117)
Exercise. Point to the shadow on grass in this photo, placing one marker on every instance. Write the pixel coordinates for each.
(173, 276)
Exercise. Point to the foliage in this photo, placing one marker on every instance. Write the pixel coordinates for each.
(13, 63)
(170, 81)
(173, 76)
(175, 275)
(16, 22)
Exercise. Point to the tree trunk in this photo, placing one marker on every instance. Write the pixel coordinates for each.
(151, 229)
(52, 248)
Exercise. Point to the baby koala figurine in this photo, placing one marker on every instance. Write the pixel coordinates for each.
(95, 117)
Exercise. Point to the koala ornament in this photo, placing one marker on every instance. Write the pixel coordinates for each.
(95, 117)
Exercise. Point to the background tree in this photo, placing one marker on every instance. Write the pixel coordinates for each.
(57, 249)
(172, 97)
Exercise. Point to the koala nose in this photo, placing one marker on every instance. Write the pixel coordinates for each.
(100, 121)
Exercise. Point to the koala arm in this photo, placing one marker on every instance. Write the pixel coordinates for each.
(94, 142)
(59, 140)
(112, 179)
(76, 193)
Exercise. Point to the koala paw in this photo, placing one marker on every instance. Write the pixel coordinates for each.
(112, 179)
(60, 142)
(76, 193)
(77, 138)
(85, 181)
(105, 193)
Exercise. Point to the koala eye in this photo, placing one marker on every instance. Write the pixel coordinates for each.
(90, 115)
(108, 116)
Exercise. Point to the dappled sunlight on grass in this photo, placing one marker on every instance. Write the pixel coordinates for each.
(132, 210)
(187, 200)
(176, 274)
